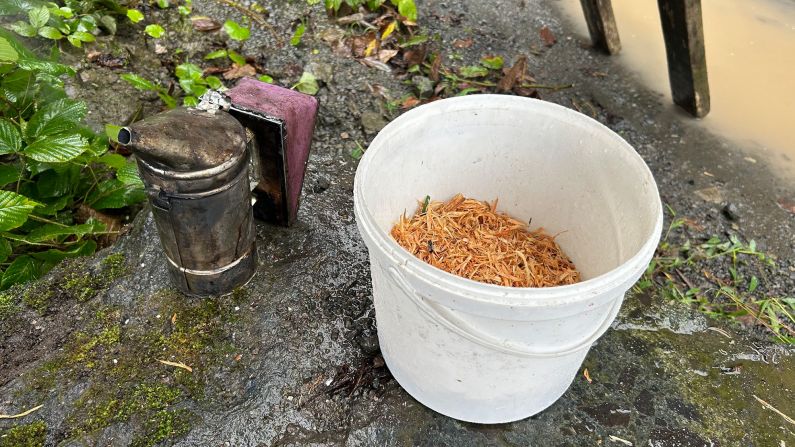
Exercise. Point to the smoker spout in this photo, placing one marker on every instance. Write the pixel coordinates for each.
(125, 136)
(185, 139)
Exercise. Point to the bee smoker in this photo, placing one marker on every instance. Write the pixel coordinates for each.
(195, 165)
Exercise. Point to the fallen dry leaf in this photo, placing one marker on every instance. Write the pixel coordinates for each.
(358, 44)
(385, 55)
(786, 204)
(526, 92)
(513, 74)
(174, 318)
(375, 63)
(409, 102)
(463, 43)
(204, 24)
(587, 375)
(177, 365)
(238, 357)
(414, 56)
(547, 36)
(239, 72)
(350, 19)
(437, 64)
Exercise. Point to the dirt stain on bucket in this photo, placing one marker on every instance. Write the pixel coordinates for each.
(751, 62)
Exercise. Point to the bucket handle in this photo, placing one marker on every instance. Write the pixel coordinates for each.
(462, 328)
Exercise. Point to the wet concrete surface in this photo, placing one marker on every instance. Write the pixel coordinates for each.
(292, 358)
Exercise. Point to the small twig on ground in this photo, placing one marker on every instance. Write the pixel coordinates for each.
(617, 439)
(684, 278)
(720, 331)
(176, 364)
(774, 409)
(23, 414)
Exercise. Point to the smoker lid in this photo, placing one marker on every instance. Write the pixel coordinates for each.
(187, 139)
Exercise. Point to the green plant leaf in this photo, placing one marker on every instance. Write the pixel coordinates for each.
(112, 132)
(63, 11)
(14, 209)
(467, 91)
(215, 55)
(56, 148)
(163, 4)
(54, 256)
(183, 10)
(23, 269)
(237, 58)
(188, 71)
(84, 36)
(154, 30)
(266, 78)
(115, 161)
(298, 34)
(492, 62)
(39, 17)
(7, 52)
(214, 82)
(9, 173)
(49, 32)
(115, 194)
(167, 99)
(415, 40)
(333, 5)
(23, 29)
(47, 67)
(190, 101)
(135, 15)
(128, 175)
(10, 139)
(87, 24)
(5, 249)
(109, 23)
(51, 232)
(473, 71)
(236, 31)
(74, 41)
(408, 9)
(753, 284)
(51, 183)
(307, 84)
(138, 82)
(55, 118)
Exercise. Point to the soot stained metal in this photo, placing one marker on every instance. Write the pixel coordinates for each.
(195, 164)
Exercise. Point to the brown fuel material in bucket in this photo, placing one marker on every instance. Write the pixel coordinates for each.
(469, 238)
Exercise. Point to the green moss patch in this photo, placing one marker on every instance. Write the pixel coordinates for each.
(118, 352)
(28, 435)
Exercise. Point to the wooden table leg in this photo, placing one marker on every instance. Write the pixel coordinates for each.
(684, 45)
(602, 25)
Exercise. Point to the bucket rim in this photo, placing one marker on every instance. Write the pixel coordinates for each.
(485, 293)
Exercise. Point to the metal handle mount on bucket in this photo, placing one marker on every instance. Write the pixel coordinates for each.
(462, 328)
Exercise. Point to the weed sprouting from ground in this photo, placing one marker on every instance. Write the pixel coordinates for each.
(721, 278)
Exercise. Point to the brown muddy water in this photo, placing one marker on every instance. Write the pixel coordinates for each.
(750, 48)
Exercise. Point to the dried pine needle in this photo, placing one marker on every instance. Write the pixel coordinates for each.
(469, 238)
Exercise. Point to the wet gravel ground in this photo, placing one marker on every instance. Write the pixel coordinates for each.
(310, 372)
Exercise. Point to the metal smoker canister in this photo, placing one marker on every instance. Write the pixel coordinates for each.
(194, 164)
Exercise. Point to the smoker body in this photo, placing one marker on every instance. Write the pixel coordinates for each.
(194, 164)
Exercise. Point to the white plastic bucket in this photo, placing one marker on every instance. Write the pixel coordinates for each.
(486, 353)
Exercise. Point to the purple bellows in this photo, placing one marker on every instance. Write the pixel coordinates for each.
(282, 122)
